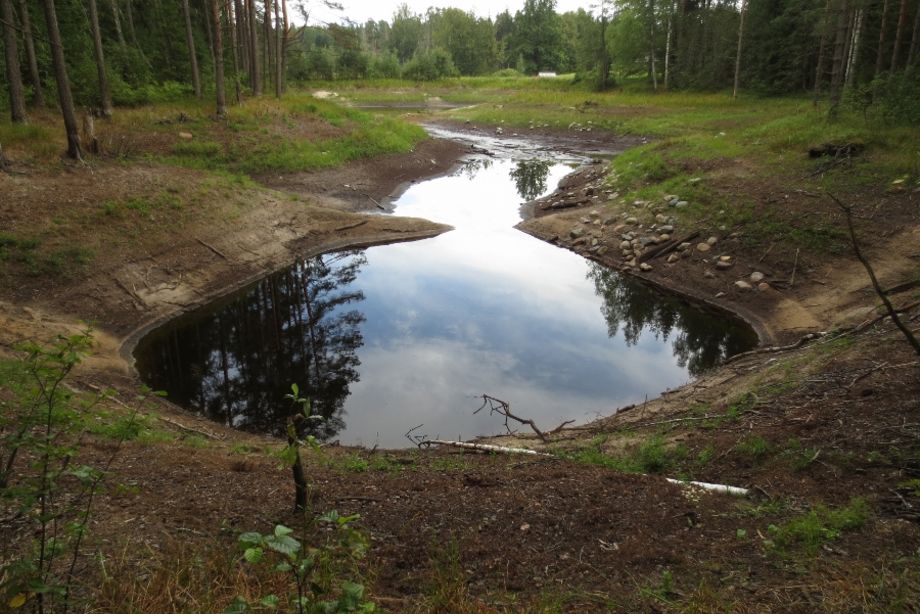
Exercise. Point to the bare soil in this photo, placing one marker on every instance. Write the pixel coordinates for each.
(540, 533)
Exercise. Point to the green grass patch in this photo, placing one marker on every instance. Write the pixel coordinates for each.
(808, 532)
(651, 456)
(30, 255)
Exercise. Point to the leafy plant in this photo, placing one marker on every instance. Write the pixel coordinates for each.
(808, 532)
(312, 571)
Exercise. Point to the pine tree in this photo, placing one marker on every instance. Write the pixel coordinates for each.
(13, 75)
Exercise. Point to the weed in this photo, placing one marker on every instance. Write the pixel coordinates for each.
(809, 531)
(754, 446)
(650, 456)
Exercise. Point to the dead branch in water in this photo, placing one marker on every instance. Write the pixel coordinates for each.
(848, 213)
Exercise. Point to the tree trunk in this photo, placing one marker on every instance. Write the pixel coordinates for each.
(63, 84)
(218, 59)
(132, 33)
(116, 18)
(738, 53)
(241, 39)
(105, 93)
(300, 478)
(854, 47)
(839, 56)
(651, 44)
(899, 36)
(914, 42)
(278, 46)
(190, 42)
(231, 21)
(38, 93)
(206, 12)
(881, 39)
(819, 70)
(285, 43)
(267, 26)
(13, 75)
(667, 48)
(254, 77)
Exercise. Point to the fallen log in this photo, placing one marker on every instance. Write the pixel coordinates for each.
(482, 447)
(735, 491)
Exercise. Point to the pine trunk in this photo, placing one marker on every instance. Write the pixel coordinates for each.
(231, 21)
(738, 53)
(38, 92)
(241, 31)
(899, 36)
(63, 84)
(13, 75)
(854, 47)
(880, 54)
(116, 18)
(285, 43)
(218, 59)
(840, 42)
(653, 72)
(278, 44)
(190, 42)
(267, 26)
(254, 76)
(914, 42)
(105, 93)
(667, 48)
(819, 70)
(206, 12)
(132, 33)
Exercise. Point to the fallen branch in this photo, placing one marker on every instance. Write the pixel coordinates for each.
(795, 265)
(724, 489)
(189, 429)
(848, 213)
(497, 406)
(876, 320)
(482, 447)
(213, 249)
(667, 247)
(777, 348)
(350, 226)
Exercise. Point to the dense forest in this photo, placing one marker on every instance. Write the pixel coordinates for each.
(101, 53)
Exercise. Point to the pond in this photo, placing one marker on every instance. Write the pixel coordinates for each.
(387, 338)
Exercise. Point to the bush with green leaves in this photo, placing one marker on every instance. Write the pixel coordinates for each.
(430, 66)
(314, 572)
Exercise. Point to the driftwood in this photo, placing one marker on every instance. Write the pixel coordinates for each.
(667, 247)
(213, 249)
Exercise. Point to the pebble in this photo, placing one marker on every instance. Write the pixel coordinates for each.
(667, 228)
(664, 237)
(757, 277)
(624, 245)
(683, 247)
(577, 232)
(681, 204)
(661, 218)
(673, 258)
(708, 274)
(720, 294)
(631, 220)
(725, 258)
(763, 286)
(185, 135)
(723, 264)
(712, 240)
(703, 247)
(645, 266)
(743, 286)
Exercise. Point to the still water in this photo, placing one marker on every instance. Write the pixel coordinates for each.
(391, 337)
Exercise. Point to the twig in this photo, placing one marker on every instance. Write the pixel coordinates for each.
(795, 265)
(875, 320)
(350, 226)
(769, 249)
(213, 249)
(660, 422)
(181, 426)
(497, 406)
(777, 348)
(848, 213)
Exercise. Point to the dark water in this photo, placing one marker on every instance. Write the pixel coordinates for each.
(390, 337)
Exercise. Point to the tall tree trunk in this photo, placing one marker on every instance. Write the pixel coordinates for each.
(231, 21)
(63, 84)
(254, 77)
(899, 36)
(667, 48)
(819, 70)
(267, 26)
(738, 53)
(854, 47)
(13, 75)
(206, 12)
(218, 59)
(880, 54)
(132, 33)
(105, 93)
(38, 92)
(840, 42)
(653, 72)
(241, 31)
(914, 42)
(285, 43)
(278, 46)
(116, 18)
(190, 42)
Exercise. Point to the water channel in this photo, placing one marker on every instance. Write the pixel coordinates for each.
(390, 337)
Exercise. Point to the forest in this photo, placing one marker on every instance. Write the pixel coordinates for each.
(101, 53)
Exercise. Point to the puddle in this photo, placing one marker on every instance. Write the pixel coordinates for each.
(390, 337)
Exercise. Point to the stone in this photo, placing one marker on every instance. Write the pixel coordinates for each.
(186, 135)
(594, 212)
(681, 204)
(763, 286)
(683, 246)
(708, 274)
(661, 218)
(725, 258)
(577, 232)
(667, 228)
(602, 250)
(585, 220)
(702, 247)
(596, 223)
(720, 294)
(673, 258)
(723, 265)
(631, 220)
(664, 237)
(694, 180)
(743, 286)
(499, 130)
(609, 220)
(624, 245)
(712, 240)
(594, 242)
(645, 266)
(757, 277)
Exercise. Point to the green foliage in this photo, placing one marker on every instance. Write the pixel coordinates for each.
(650, 456)
(430, 66)
(27, 253)
(754, 446)
(808, 532)
(314, 573)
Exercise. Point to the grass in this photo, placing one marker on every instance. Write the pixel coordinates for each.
(653, 455)
(808, 532)
(31, 256)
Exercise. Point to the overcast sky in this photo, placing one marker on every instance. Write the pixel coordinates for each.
(362, 10)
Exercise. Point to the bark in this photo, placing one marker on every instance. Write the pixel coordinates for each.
(190, 42)
(300, 479)
(285, 43)
(880, 53)
(854, 47)
(105, 93)
(278, 46)
(738, 53)
(132, 33)
(236, 57)
(218, 59)
(899, 36)
(63, 84)
(241, 39)
(206, 11)
(13, 75)
(667, 48)
(254, 76)
(38, 92)
(651, 45)
(914, 42)
(840, 43)
(116, 18)
(267, 26)
(819, 70)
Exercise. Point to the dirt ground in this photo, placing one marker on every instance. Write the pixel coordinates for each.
(527, 533)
